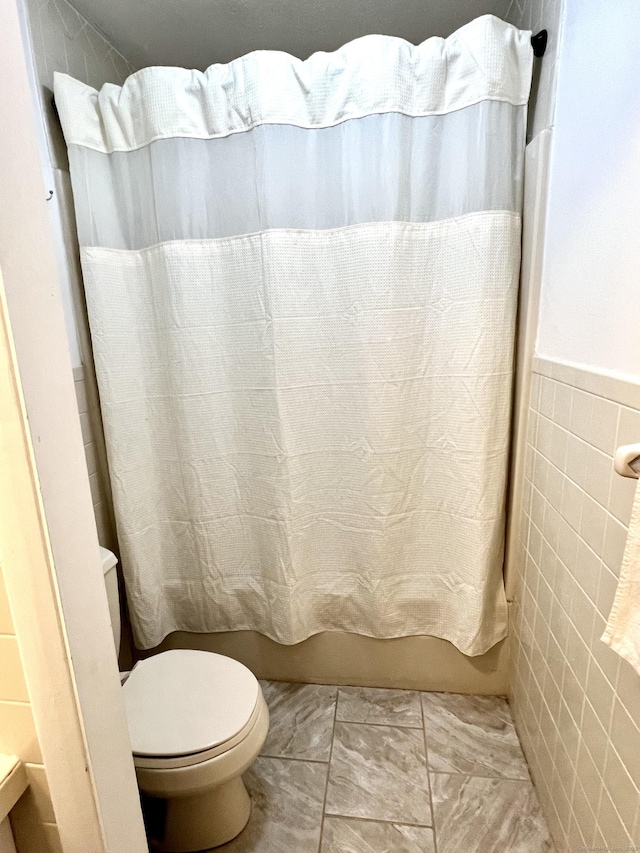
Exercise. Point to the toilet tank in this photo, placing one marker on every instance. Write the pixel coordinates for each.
(109, 563)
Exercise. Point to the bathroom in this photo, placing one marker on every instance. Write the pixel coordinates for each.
(410, 687)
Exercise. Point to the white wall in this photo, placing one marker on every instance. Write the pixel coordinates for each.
(591, 276)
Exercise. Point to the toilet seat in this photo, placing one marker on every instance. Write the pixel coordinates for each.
(162, 762)
(185, 707)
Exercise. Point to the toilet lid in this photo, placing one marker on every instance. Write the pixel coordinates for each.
(185, 701)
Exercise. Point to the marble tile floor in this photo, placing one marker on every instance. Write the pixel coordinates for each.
(364, 770)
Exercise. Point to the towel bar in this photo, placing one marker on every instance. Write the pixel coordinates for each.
(627, 460)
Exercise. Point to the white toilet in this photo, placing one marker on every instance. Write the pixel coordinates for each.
(197, 721)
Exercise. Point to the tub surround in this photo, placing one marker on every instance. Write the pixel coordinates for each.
(419, 663)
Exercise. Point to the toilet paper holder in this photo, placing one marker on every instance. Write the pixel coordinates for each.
(627, 460)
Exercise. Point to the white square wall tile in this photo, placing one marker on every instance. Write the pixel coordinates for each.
(576, 461)
(604, 424)
(621, 496)
(562, 405)
(578, 655)
(601, 694)
(571, 506)
(534, 544)
(558, 446)
(587, 570)
(606, 592)
(544, 439)
(620, 787)
(554, 486)
(628, 697)
(592, 526)
(599, 471)
(547, 397)
(625, 731)
(601, 655)
(538, 505)
(628, 426)
(567, 547)
(540, 472)
(615, 539)
(592, 753)
(610, 824)
(578, 685)
(581, 414)
(551, 526)
(583, 612)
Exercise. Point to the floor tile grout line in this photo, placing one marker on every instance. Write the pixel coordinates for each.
(391, 822)
(426, 764)
(390, 725)
(381, 725)
(295, 758)
(326, 787)
(479, 775)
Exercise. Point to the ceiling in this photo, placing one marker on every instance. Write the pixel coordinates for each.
(198, 33)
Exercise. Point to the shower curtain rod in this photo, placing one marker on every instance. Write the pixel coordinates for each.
(539, 43)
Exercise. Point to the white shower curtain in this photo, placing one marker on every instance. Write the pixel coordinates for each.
(301, 280)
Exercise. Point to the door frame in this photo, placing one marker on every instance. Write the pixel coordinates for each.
(48, 538)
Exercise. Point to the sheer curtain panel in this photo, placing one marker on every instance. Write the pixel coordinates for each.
(301, 280)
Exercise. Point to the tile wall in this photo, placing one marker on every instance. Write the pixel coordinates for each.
(575, 702)
(33, 820)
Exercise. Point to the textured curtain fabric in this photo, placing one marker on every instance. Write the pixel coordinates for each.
(301, 280)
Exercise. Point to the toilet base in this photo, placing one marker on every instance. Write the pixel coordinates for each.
(204, 820)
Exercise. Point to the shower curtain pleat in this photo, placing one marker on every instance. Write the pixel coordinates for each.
(301, 280)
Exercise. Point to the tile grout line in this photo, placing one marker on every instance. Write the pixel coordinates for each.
(479, 776)
(426, 762)
(295, 758)
(385, 725)
(326, 787)
(378, 820)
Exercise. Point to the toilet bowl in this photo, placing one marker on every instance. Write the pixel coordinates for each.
(197, 720)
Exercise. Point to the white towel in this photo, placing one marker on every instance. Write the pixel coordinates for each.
(622, 633)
